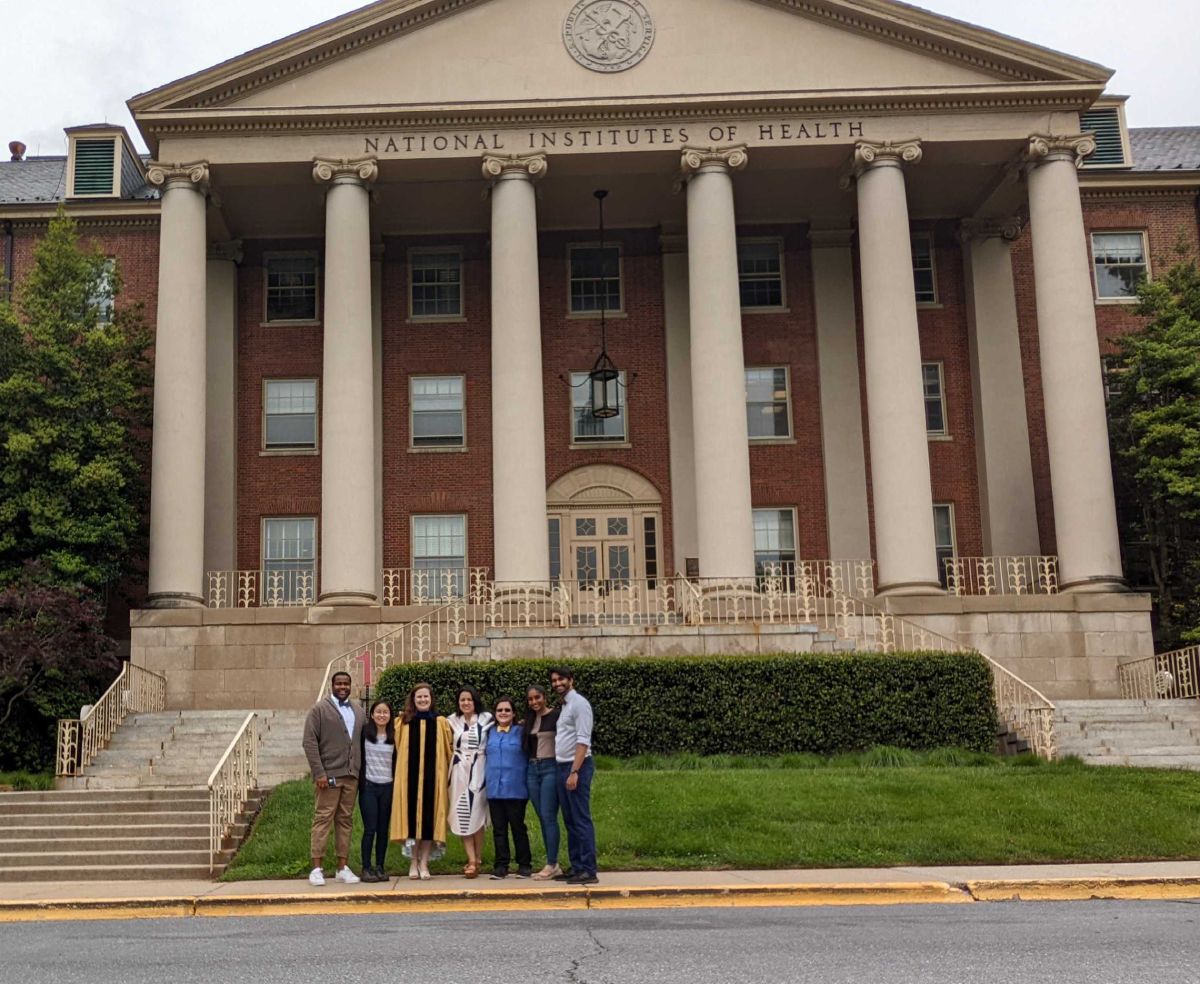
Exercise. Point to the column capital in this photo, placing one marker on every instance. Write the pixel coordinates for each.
(1044, 148)
(165, 175)
(341, 170)
(869, 154)
(230, 251)
(1008, 229)
(503, 167)
(698, 159)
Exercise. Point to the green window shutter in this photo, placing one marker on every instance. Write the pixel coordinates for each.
(1106, 125)
(95, 163)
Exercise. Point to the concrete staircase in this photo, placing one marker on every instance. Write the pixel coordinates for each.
(1158, 733)
(141, 809)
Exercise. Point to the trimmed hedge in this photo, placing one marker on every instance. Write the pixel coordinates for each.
(748, 705)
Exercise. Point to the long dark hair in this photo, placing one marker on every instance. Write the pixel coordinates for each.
(479, 705)
(371, 729)
(410, 704)
(531, 717)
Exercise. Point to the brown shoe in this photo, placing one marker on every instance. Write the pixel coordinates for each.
(471, 870)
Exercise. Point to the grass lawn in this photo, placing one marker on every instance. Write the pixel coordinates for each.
(27, 780)
(883, 807)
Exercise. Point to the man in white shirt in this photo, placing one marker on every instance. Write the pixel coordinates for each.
(331, 745)
(573, 753)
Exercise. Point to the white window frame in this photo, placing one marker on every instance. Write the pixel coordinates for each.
(412, 541)
(265, 449)
(412, 431)
(926, 235)
(949, 507)
(88, 137)
(944, 433)
(782, 306)
(266, 269)
(1132, 298)
(462, 290)
(795, 529)
(316, 557)
(618, 312)
(578, 443)
(789, 437)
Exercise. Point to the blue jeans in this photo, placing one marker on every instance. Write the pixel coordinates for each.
(577, 814)
(542, 780)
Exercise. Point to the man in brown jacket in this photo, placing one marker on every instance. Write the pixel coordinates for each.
(331, 733)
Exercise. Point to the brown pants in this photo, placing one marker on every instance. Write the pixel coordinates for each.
(334, 808)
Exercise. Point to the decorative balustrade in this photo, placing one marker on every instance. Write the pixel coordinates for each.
(1001, 575)
(230, 785)
(135, 691)
(1166, 676)
(437, 585)
(261, 589)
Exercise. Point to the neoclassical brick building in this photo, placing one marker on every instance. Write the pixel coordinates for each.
(859, 267)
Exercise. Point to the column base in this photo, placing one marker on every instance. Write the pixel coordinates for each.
(905, 589)
(342, 599)
(174, 599)
(1100, 584)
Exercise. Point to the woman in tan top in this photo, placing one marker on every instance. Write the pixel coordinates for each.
(541, 779)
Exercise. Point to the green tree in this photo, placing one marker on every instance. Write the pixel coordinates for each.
(1154, 407)
(74, 417)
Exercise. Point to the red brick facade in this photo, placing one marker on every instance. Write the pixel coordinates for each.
(784, 475)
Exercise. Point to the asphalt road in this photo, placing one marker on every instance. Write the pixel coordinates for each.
(1063, 943)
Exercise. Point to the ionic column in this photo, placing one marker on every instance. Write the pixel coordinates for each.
(679, 398)
(725, 528)
(1085, 517)
(1006, 497)
(903, 497)
(220, 467)
(348, 532)
(518, 422)
(177, 464)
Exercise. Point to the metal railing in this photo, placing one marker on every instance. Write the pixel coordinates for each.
(261, 589)
(1001, 575)
(1166, 676)
(135, 691)
(230, 785)
(417, 586)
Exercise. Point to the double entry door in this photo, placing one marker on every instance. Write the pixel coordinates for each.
(611, 567)
(602, 550)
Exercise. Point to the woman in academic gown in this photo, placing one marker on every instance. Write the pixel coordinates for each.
(422, 789)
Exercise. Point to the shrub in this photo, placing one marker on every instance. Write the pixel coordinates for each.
(750, 705)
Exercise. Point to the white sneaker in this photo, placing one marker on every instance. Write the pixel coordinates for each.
(347, 876)
(316, 877)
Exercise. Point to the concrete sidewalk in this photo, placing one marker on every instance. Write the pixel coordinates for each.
(646, 889)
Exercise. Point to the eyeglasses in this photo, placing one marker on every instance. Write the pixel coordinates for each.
(503, 710)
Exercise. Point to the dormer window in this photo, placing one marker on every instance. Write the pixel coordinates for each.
(1106, 121)
(101, 163)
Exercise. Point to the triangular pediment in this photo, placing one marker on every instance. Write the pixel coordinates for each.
(477, 52)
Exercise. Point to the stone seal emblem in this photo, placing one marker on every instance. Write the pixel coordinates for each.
(608, 35)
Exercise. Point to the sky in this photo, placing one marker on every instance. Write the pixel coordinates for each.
(78, 61)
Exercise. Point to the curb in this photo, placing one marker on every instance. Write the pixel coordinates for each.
(664, 897)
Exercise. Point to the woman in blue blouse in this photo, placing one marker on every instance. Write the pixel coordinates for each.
(506, 790)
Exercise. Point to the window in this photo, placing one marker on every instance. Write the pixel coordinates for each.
(102, 294)
(437, 411)
(436, 283)
(1107, 125)
(586, 429)
(774, 538)
(291, 288)
(760, 273)
(595, 279)
(650, 542)
(440, 548)
(935, 399)
(943, 537)
(290, 409)
(768, 413)
(555, 530)
(289, 561)
(924, 278)
(1120, 261)
(94, 167)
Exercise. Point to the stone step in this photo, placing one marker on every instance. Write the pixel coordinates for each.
(82, 832)
(1147, 761)
(106, 805)
(81, 796)
(145, 845)
(139, 871)
(114, 859)
(106, 819)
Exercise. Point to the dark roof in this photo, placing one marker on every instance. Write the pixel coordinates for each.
(1165, 148)
(43, 179)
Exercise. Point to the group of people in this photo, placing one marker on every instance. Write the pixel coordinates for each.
(418, 775)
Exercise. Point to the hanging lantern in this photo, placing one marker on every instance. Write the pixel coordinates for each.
(605, 384)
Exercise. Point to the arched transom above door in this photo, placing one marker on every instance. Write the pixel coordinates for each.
(594, 485)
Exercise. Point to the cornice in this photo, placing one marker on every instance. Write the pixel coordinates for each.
(1147, 184)
(125, 215)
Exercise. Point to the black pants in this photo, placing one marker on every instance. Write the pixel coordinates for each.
(375, 804)
(505, 814)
